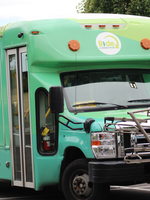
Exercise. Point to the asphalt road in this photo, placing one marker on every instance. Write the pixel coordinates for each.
(138, 192)
(8, 192)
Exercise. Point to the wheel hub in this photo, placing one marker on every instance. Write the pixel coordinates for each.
(81, 185)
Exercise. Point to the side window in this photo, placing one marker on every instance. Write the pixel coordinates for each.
(46, 124)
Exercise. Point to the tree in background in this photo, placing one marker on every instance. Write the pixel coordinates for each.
(133, 7)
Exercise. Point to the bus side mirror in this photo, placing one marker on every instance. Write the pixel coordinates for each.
(56, 99)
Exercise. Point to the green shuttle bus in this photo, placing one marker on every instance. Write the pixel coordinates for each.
(75, 103)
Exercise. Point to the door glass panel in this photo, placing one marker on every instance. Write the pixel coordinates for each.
(15, 116)
(47, 137)
(20, 118)
(26, 119)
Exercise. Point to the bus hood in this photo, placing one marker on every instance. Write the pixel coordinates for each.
(100, 117)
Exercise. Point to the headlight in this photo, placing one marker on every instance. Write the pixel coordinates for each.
(103, 144)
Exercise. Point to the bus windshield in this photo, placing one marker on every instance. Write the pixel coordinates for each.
(106, 89)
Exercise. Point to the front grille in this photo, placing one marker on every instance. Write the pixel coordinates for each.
(141, 140)
(131, 140)
(132, 135)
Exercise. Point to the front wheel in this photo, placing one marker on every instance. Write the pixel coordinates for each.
(75, 183)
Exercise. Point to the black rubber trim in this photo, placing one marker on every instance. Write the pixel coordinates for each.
(114, 172)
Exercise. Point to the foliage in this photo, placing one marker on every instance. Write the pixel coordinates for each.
(134, 7)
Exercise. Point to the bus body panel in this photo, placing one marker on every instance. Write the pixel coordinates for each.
(49, 56)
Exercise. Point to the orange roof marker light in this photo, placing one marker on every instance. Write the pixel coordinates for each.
(102, 26)
(74, 45)
(35, 32)
(88, 26)
(145, 43)
(116, 26)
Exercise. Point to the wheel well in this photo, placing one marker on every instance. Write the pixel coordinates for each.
(71, 154)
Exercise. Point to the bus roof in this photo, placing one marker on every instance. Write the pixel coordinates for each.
(2, 30)
(101, 37)
(91, 18)
(125, 21)
(106, 15)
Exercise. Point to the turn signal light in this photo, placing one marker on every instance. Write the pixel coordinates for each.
(96, 143)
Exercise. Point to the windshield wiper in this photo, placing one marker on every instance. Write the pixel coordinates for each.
(98, 103)
(139, 100)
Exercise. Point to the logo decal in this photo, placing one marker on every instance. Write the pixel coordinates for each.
(108, 43)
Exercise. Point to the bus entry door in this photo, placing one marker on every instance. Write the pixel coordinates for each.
(19, 117)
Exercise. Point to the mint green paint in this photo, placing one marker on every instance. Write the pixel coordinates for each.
(132, 26)
(5, 154)
(48, 56)
(1, 107)
(5, 172)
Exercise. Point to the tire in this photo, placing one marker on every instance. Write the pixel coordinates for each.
(75, 183)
